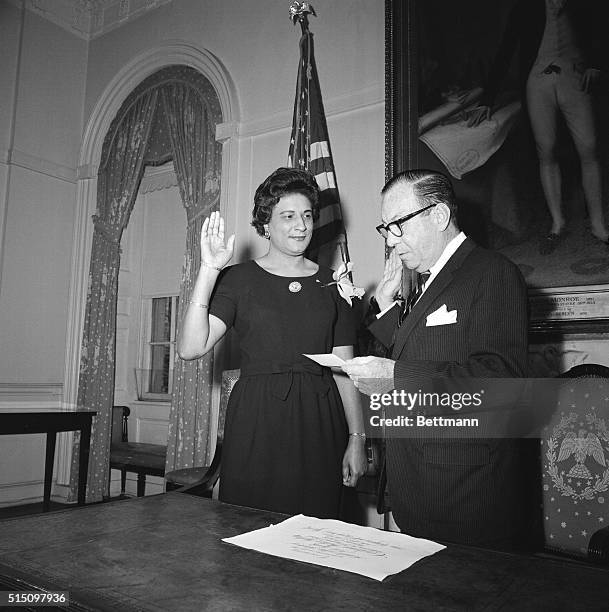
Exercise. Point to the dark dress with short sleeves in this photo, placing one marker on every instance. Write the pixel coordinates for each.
(285, 432)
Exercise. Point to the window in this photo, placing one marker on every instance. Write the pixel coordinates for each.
(156, 376)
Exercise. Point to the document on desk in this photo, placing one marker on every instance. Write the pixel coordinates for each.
(361, 550)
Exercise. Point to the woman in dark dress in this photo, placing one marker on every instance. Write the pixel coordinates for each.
(294, 431)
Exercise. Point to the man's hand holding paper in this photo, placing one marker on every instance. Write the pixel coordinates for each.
(370, 374)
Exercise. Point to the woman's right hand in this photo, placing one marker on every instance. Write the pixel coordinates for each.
(214, 252)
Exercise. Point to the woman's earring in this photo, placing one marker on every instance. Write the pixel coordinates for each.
(267, 234)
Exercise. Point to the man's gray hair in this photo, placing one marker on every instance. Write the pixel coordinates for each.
(429, 187)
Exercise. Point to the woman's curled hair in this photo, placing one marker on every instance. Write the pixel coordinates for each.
(281, 182)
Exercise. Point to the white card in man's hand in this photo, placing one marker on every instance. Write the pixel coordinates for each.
(329, 360)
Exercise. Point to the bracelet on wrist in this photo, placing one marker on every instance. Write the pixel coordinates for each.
(203, 263)
(204, 306)
(358, 435)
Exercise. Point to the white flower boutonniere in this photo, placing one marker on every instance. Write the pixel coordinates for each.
(346, 288)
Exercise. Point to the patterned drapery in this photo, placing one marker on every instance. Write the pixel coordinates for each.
(119, 178)
(191, 111)
(197, 161)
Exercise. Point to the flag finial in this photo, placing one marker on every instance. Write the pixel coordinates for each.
(299, 12)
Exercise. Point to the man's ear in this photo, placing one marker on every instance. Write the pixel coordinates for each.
(441, 214)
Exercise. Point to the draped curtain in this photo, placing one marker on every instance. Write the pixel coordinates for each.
(197, 159)
(119, 178)
(191, 111)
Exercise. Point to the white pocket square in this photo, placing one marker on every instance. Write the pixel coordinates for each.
(442, 316)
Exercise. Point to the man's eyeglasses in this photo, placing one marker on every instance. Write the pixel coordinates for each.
(395, 227)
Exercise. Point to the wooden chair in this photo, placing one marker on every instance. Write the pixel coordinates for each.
(138, 457)
(575, 467)
(202, 479)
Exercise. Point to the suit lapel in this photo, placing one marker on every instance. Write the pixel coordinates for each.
(431, 293)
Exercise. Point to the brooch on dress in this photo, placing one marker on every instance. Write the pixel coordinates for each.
(294, 287)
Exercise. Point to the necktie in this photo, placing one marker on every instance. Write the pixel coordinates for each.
(414, 295)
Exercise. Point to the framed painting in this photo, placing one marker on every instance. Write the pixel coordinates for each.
(471, 90)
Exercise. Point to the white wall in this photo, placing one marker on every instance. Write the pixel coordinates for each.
(164, 242)
(37, 192)
(151, 265)
(51, 87)
(35, 277)
(9, 45)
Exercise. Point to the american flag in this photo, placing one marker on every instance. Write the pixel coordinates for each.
(310, 150)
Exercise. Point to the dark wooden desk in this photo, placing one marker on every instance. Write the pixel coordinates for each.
(50, 423)
(164, 552)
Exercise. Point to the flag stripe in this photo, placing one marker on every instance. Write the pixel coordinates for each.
(321, 164)
(319, 149)
(326, 180)
(328, 214)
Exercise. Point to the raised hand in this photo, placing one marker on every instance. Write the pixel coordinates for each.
(214, 253)
(391, 281)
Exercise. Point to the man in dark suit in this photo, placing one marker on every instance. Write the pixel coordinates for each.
(469, 323)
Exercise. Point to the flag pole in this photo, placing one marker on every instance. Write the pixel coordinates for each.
(300, 11)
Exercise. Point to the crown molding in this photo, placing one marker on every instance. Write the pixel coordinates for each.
(355, 101)
(89, 19)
